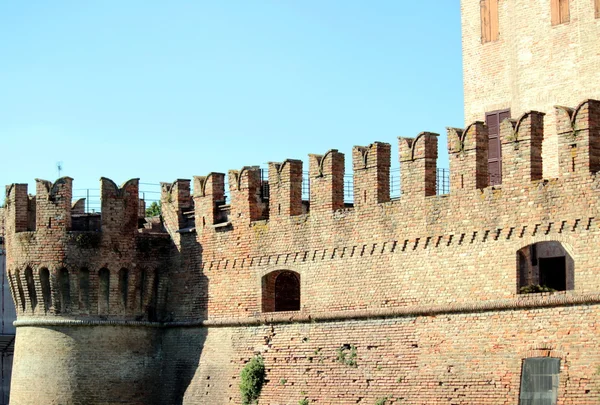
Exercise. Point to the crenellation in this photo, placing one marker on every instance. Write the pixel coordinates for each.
(53, 204)
(285, 189)
(176, 201)
(326, 176)
(418, 164)
(120, 206)
(468, 157)
(18, 210)
(209, 195)
(382, 262)
(371, 174)
(521, 141)
(578, 132)
(247, 202)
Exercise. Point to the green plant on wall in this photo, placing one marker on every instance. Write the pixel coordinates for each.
(252, 380)
(381, 401)
(347, 355)
(303, 401)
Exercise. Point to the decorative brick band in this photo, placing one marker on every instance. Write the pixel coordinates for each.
(532, 301)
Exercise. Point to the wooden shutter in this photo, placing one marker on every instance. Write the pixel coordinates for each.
(493, 9)
(555, 11)
(485, 21)
(493, 120)
(565, 15)
(597, 2)
(559, 10)
(489, 20)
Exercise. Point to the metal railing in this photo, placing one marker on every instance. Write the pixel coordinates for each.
(149, 193)
(442, 184)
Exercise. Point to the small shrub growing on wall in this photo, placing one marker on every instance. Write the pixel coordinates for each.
(253, 378)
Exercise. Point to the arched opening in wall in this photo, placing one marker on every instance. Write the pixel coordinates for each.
(142, 289)
(545, 267)
(539, 381)
(31, 288)
(64, 286)
(20, 291)
(84, 289)
(281, 291)
(123, 287)
(103, 291)
(46, 291)
(153, 305)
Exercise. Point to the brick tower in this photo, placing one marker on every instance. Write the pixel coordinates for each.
(87, 289)
(520, 55)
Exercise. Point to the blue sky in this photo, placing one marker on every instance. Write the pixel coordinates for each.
(164, 90)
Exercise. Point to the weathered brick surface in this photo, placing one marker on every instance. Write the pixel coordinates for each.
(532, 65)
(415, 299)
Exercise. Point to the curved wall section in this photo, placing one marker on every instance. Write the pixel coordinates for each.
(86, 365)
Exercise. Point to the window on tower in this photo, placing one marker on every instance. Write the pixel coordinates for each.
(560, 11)
(489, 20)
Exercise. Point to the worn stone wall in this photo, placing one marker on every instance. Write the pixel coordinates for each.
(532, 65)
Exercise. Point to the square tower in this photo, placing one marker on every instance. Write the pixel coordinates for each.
(522, 55)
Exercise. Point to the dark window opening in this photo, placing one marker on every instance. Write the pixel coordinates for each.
(84, 289)
(46, 292)
(287, 292)
(104, 291)
(545, 267)
(124, 286)
(64, 286)
(31, 288)
(281, 291)
(539, 381)
(553, 273)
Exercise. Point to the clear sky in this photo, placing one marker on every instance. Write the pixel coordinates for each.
(171, 89)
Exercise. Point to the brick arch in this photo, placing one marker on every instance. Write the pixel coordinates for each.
(103, 291)
(29, 281)
(546, 262)
(46, 287)
(281, 291)
(63, 282)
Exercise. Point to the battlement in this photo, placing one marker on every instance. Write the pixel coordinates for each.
(66, 262)
(522, 164)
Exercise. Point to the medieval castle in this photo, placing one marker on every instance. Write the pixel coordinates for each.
(487, 295)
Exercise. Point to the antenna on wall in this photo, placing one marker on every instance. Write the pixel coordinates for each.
(59, 167)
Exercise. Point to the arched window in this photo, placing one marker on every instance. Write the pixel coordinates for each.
(31, 288)
(123, 287)
(103, 291)
(84, 289)
(545, 267)
(46, 291)
(281, 291)
(64, 286)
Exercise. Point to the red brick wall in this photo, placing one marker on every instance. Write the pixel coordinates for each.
(424, 289)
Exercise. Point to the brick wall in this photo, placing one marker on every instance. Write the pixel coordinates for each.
(415, 299)
(532, 65)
